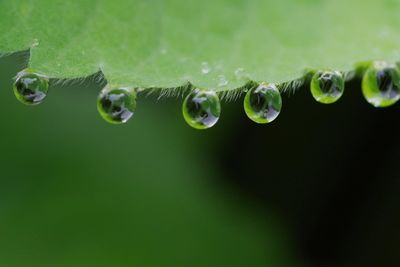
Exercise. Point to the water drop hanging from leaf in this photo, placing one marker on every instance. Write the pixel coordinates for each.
(116, 105)
(30, 88)
(263, 103)
(381, 84)
(201, 109)
(327, 86)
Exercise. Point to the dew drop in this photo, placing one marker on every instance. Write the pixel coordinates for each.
(163, 51)
(222, 81)
(30, 88)
(205, 68)
(263, 103)
(35, 43)
(117, 105)
(201, 109)
(381, 84)
(327, 86)
(239, 73)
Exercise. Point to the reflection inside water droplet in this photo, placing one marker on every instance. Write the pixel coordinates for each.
(116, 105)
(30, 88)
(381, 84)
(201, 109)
(263, 103)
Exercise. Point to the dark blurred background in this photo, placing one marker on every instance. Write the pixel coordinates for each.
(318, 187)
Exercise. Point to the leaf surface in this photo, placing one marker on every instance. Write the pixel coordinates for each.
(215, 44)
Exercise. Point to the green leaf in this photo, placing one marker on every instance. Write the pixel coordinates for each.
(216, 44)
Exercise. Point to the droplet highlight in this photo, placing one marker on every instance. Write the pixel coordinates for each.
(116, 105)
(263, 103)
(327, 86)
(30, 88)
(201, 109)
(381, 84)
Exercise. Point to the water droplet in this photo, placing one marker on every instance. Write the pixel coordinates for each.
(239, 73)
(381, 84)
(263, 103)
(201, 109)
(117, 105)
(205, 68)
(222, 81)
(163, 51)
(327, 86)
(35, 43)
(30, 88)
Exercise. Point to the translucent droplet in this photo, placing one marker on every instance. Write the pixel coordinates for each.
(205, 68)
(263, 103)
(222, 81)
(117, 105)
(381, 84)
(35, 43)
(31, 88)
(239, 73)
(201, 109)
(327, 86)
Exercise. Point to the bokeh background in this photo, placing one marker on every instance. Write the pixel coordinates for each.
(318, 187)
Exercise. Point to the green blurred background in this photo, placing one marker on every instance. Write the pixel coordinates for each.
(318, 187)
